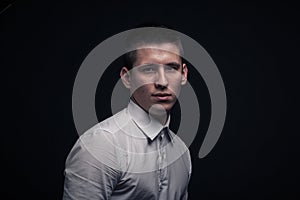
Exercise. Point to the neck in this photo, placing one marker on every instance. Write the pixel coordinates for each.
(160, 115)
(162, 118)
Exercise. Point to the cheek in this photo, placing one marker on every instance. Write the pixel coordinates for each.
(139, 82)
(143, 91)
(175, 86)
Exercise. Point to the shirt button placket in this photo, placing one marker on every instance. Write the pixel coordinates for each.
(161, 160)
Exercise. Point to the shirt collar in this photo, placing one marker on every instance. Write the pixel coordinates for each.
(145, 122)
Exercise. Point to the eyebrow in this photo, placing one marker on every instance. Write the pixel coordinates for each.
(170, 64)
(173, 64)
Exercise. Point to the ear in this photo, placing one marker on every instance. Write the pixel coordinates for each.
(184, 74)
(125, 76)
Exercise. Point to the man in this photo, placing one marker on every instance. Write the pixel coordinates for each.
(133, 154)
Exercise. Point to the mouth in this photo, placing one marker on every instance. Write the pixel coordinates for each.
(162, 96)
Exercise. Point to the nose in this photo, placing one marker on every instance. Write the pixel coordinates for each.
(161, 80)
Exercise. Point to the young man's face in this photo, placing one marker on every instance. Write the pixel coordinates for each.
(156, 77)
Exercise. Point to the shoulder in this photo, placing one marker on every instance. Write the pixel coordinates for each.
(107, 128)
(99, 143)
(179, 143)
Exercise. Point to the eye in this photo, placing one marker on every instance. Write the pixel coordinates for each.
(149, 68)
(172, 67)
(169, 68)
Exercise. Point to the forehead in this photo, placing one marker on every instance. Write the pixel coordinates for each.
(160, 53)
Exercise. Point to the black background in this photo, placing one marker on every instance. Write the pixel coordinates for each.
(255, 45)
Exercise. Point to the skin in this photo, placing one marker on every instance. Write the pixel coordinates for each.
(155, 87)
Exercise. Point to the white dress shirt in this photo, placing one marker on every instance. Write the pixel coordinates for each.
(128, 156)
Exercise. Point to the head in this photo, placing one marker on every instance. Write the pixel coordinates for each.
(154, 72)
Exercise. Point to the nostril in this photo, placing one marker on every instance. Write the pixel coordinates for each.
(160, 86)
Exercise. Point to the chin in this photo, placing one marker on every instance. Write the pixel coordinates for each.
(162, 107)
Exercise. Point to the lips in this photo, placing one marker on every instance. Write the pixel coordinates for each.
(162, 96)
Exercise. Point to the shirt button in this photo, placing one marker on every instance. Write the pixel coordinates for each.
(161, 136)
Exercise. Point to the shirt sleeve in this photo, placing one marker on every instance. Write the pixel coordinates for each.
(185, 196)
(189, 167)
(92, 168)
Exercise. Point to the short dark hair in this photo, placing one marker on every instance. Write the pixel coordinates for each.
(153, 36)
